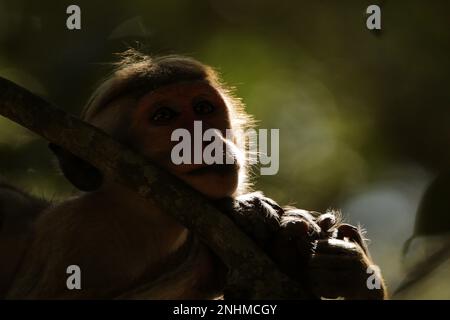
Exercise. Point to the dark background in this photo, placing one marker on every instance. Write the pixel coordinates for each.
(363, 117)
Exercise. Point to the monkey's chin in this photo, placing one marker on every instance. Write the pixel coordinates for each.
(213, 181)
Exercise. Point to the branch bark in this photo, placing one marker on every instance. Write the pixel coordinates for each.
(250, 268)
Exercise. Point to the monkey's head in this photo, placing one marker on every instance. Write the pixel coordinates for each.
(145, 100)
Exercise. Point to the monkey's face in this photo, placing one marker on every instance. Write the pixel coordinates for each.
(162, 111)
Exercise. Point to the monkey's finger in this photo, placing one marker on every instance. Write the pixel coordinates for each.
(337, 247)
(302, 235)
(346, 230)
(352, 233)
(296, 229)
(326, 221)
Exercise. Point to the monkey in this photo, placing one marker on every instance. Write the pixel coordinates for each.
(120, 240)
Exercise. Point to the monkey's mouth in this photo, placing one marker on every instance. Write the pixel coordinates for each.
(214, 168)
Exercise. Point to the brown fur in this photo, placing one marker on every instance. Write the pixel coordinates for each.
(127, 247)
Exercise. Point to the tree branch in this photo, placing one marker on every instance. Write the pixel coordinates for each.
(249, 266)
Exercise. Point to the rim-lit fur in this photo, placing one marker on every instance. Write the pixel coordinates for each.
(136, 74)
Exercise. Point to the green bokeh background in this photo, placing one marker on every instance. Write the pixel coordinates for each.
(364, 117)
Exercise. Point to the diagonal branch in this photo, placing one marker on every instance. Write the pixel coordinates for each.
(249, 266)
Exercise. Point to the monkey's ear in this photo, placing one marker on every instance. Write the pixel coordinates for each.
(80, 173)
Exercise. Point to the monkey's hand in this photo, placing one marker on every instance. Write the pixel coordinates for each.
(287, 235)
(271, 226)
(327, 257)
(341, 267)
(258, 216)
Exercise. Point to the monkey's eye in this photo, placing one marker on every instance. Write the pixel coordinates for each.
(163, 114)
(203, 107)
